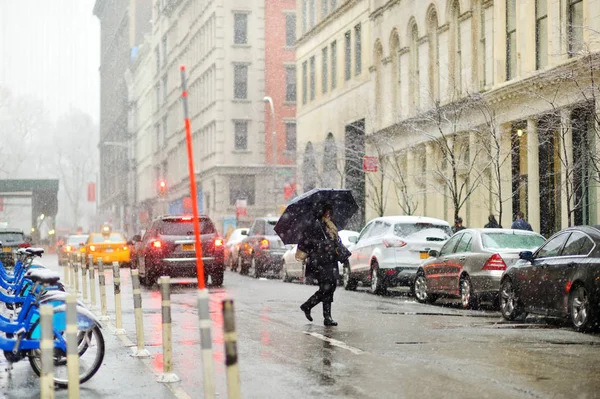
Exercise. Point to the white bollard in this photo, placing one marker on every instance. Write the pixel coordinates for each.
(139, 317)
(208, 368)
(102, 280)
(119, 330)
(72, 348)
(168, 375)
(47, 349)
(92, 276)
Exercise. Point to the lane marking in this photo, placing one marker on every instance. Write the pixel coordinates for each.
(335, 342)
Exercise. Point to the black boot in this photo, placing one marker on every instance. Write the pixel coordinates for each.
(305, 307)
(327, 315)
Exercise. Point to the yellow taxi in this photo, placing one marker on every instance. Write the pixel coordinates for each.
(108, 246)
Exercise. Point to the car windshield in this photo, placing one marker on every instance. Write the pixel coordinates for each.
(113, 237)
(514, 241)
(76, 240)
(12, 237)
(429, 231)
(184, 227)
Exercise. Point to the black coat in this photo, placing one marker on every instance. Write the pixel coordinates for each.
(321, 249)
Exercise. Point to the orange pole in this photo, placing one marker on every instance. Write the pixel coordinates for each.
(193, 193)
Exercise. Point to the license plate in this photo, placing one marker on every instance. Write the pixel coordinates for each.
(108, 250)
(424, 254)
(6, 249)
(187, 247)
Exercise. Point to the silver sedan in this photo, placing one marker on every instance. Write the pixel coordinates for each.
(471, 263)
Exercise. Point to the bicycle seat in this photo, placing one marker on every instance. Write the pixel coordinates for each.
(21, 251)
(43, 276)
(35, 251)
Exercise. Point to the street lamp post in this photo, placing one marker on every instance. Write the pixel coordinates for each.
(269, 100)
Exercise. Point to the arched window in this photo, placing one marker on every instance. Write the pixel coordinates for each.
(330, 167)
(378, 58)
(395, 58)
(309, 168)
(414, 67)
(434, 55)
(455, 54)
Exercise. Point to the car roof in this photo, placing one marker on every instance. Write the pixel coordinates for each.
(412, 219)
(11, 231)
(509, 231)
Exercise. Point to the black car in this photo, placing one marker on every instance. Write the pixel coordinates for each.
(262, 251)
(11, 240)
(168, 249)
(561, 278)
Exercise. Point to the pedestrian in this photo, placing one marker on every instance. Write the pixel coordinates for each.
(458, 225)
(317, 248)
(493, 224)
(520, 223)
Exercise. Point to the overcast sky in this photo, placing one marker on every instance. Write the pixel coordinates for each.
(50, 49)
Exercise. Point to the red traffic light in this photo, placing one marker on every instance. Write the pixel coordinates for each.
(163, 184)
(162, 188)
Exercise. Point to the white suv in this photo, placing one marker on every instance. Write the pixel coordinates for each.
(391, 248)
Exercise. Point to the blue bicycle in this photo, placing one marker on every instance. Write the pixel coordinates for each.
(23, 334)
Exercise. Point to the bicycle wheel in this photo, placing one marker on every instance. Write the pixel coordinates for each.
(91, 353)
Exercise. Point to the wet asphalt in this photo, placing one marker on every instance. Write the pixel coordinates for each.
(384, 347)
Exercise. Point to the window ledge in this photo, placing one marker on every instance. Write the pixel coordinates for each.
(289, 103)
(241, 100)
(241, 152)
(289, 48)
(236, 45)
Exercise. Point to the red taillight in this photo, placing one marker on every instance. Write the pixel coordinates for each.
(393, 243)
(264, 244)
(218, 242)
(495, 262)
(186, 218)
(156, 244)
(389, 272)
(24, 245)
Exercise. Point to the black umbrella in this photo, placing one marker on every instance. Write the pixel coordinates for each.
(301, 212)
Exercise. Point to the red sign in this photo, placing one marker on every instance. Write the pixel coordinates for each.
(370, 164)
(289, 190)
(91, 192)
(241, 208)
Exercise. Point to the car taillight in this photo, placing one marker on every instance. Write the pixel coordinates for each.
(264, 244)
(495, 262)
(218, 242)
(92, 248)
(156, 244)
(393, 243)
(24, 245)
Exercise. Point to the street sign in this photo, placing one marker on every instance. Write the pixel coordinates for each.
(91, 192)
(370, 164)
(241, 208)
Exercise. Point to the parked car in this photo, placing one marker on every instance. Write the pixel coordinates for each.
(292, 269)
(471, 263)
(168, 248)
(560, 279)
(262, 250)
(390, 249)
(73, 244)
(11, 240)
(232, 247)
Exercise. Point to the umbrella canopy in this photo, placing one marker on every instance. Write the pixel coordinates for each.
(302, 212)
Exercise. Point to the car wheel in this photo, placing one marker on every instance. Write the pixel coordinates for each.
(255, 267)
(149, 278)
(509, 303)
(468, 299)
(580, 309)
(217, 278)
(243, 271)
(285, 277)
(377, 286)
(350, 283)
(420, 289)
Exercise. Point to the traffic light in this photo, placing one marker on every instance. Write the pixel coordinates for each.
(162, 188)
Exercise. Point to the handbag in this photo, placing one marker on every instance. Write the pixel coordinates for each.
(341, 252)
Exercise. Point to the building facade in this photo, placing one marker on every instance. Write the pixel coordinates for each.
(123, 25)
(230, 69)
(481, 107)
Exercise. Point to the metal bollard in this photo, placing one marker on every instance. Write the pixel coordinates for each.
(119, 330)
(231, 353)
(165, 291)
(92, 275)
(47, 349)
(76, 271)
(102, 282)
(72, 348)
(208, 369)
(71, 273)
(66, 272)
(84, 279)
(139, 317)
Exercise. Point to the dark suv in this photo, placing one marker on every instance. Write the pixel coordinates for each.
(167, 249)
(11, 240)
(262, 251)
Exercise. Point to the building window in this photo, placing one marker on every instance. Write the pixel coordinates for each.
(157, 95)
(325, 70)
(414, 67)
(240, 28)
(290, 136)
(481, 54)
(511, 39)
(157, 55)
(575, 26)
(434, 51)
(541, 33)
(241, 135)
(241, 187)
(357, 50)
(165, 85)
(456, 64)
(240, 81)
(304, 16)
(312, 13)
(290, 83)
(304, 82)
(333, 64)
(165, 130)
(290, 30)
(165, 50)
(324, 8)
(333, 5)
(348, 60)
(157, 133)
(312, 77)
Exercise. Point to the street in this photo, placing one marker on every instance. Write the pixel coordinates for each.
(383, 347)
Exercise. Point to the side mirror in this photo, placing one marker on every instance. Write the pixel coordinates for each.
(353, 239)
(244, 233)
(433, 253)
(136, 238)
(526, 255)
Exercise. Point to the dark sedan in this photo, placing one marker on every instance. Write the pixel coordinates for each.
(561, 278)
(262, 250)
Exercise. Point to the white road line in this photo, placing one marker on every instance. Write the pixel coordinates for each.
(335, 342)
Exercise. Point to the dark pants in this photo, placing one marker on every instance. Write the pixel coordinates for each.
(327, 283)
